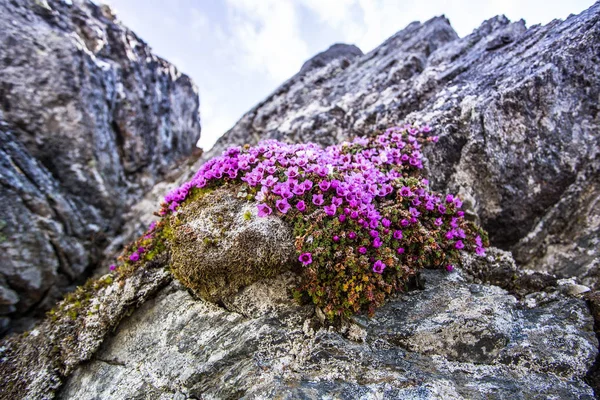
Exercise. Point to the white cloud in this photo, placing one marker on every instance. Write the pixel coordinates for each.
(268, 34)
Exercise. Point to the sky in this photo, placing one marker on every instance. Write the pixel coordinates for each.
(239, 51)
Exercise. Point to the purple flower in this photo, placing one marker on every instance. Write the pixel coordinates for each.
(354, 215)
(362, 249)
(377, 242)
(336, 238)
(141, 250)
(317, 199)
(299, 190)
(414, 212)
(292, 172)
(112, 267)
(398, 235)
(342, 218)
(324, 185)
(264, 210)
(336, 201)
(301, 206)
(400, 250)
(405, 191)
(282, 205)
(134, 257)
(378, 267)
(404, 222)
(449, 267)
(305, 258)
(352, 235)
(386, 222)
(459, 245)
(330, 210)
(438, 222)
(449, 198)
(442, 209)
(374, 233)
(480, 251)
(478, 241)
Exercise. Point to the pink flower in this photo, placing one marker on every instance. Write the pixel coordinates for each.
(377, 243)
(330, 210)
(342, 218)
(134, 257)
(282, 205)
(362, 249)
(449, 267)
(352, 235)
(301, 206)
(305, 258)
(264, 210)
(112, 267)
(398, 235)
(378, 267)
(324, 185)
(459, 245)
(336, 238)
(480, 251)
(317, 199)
(400, 250)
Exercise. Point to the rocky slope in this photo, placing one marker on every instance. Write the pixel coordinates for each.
(90, 120)
(456, 337)
(516, 109)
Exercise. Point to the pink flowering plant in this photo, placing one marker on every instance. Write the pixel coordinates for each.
(364, 218)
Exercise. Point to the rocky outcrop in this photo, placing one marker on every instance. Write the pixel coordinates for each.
(458, 336)
(516, 109)
(452, 340)
(90, 120)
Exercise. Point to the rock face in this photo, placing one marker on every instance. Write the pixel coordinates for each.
(90, 120)
(453, 340)
(516, 109)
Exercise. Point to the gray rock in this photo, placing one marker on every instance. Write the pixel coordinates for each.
(90, 120)
(220, 245)
(516, 109)
(453, 340)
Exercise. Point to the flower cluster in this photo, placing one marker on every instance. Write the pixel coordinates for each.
(364, 219)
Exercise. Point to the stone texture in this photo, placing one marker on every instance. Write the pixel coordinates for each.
(516, 109)
(220, 245)
(90, 120)
(453, 340)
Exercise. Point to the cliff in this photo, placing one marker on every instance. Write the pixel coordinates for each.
(90, 120)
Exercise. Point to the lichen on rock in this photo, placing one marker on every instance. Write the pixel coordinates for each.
(217, 249)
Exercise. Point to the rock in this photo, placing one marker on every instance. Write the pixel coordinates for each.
(516, 109)
(339, 51)
(90, 120)
(452, 340)
(220, 245)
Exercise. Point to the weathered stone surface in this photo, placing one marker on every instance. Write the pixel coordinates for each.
(453, 340)
(34, 365)
(90, 120)
(220, 245)
(516, 109)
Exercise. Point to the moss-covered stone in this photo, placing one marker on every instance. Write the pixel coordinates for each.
(219, 245)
